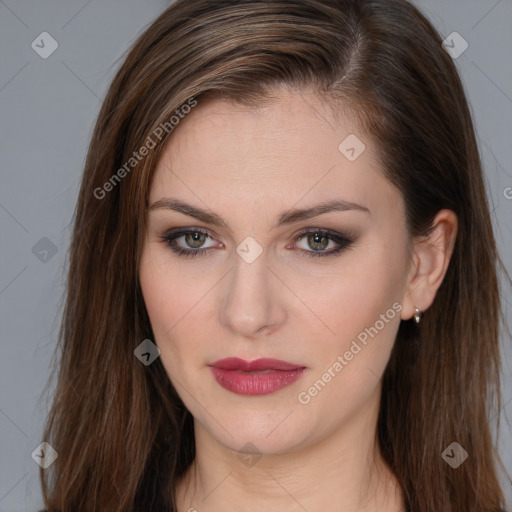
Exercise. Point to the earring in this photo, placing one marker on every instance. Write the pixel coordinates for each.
(418, 315)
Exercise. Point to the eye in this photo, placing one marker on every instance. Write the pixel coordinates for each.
(193, 238)
(317, 239)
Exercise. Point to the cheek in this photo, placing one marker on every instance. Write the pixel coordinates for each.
(165, 299)
(362, 290)
(160, 298)
(350, 362)
(175, 305)
(360, 313)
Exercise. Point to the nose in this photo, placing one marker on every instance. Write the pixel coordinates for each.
(252, 303)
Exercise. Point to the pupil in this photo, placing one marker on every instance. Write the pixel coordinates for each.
(318, 237)
(196, 236)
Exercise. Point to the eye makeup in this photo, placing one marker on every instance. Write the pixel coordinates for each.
(313, 236)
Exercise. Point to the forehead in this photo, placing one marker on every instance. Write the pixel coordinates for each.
(287, 151)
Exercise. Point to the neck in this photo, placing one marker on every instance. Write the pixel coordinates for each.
(344, 471)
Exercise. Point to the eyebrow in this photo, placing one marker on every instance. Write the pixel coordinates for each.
(286, 217)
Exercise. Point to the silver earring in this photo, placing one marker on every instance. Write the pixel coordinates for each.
(418, 315)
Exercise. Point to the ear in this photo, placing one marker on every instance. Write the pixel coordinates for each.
(430, 260)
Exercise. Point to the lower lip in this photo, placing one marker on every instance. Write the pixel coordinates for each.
(256, 383)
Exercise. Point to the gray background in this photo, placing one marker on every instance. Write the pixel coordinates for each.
(47, 110)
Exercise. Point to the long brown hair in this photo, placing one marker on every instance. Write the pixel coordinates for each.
(122, 433)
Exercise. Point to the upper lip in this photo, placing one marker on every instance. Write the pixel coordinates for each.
(235, 363)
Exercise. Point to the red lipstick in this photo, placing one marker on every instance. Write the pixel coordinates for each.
(258, 377)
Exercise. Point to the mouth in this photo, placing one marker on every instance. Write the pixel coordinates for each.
(253, 378)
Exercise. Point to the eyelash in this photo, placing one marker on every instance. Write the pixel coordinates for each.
(344, 242)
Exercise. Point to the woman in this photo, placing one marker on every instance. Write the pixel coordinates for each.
(283, 285)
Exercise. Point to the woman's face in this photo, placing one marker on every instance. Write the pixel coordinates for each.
(263, 283)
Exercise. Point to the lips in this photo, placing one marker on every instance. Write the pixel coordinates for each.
(252, 378)
(235, 363)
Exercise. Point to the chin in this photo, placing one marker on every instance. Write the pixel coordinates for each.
(261, 432)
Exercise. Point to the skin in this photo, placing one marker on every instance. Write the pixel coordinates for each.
(248, 165)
